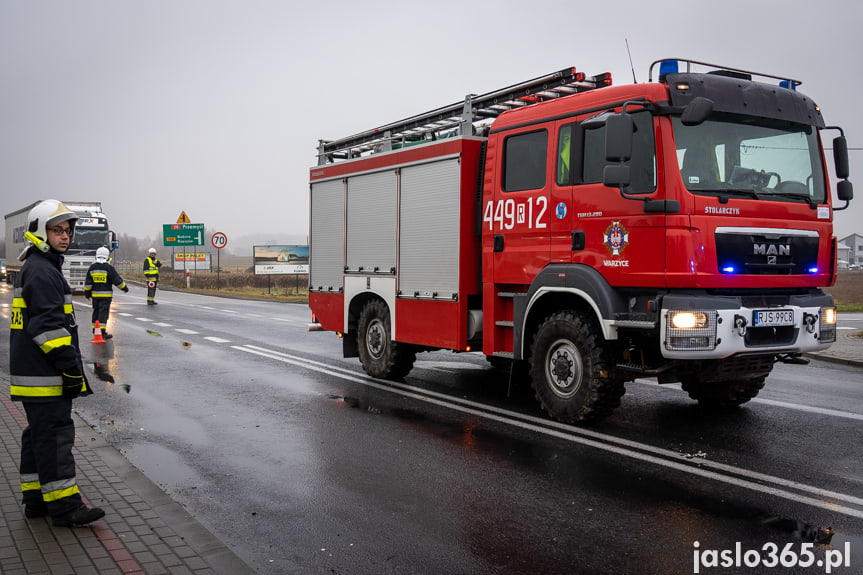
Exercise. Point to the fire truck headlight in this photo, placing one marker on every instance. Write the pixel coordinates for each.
(688, 319)
(688, 330)
(827, 328)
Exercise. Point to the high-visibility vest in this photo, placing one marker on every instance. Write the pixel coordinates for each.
(150, 267)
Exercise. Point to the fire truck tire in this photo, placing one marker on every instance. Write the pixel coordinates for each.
(380, 356)
(722, 394)
(571, 369)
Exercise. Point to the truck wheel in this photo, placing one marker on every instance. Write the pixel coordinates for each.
(571, 369)
(722, 394)
(380, 355)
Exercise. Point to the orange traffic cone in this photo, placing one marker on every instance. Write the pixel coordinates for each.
(97, 334)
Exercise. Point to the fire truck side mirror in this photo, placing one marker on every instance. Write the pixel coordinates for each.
(696, 111)
(618, 138)
(844, 191)
(616, 175)
(840, 157)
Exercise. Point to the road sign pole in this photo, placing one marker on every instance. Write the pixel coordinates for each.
(219, 240)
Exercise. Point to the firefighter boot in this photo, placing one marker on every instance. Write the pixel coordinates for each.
(81, 516)
(34, 510)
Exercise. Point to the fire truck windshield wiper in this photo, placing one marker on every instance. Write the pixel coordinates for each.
(737, 192)
(792, 196)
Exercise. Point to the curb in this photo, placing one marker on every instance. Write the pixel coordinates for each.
(820, 356)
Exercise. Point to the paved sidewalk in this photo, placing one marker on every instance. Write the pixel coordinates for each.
(848, 349)
(143, 532)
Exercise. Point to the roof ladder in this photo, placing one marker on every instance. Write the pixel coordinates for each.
(460, 118)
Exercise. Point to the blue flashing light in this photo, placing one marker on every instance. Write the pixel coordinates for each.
(728, 270)
(813, 270)
(667, 67)
(788, 84)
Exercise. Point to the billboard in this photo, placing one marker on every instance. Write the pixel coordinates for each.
(273, 260)
(192, 261)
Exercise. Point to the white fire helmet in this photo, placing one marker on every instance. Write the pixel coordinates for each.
(102, 255)
(47, 213)
(152, 251)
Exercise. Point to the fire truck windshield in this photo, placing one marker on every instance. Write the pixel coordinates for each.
(89, 239)
(738, 156)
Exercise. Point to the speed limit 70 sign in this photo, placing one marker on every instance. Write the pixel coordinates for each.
(219, 240)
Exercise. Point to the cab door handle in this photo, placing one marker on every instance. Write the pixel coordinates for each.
(578, 240)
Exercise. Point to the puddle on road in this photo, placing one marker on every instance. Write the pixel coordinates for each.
(162, 465)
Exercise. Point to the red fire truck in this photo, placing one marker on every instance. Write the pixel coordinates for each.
(584, 234)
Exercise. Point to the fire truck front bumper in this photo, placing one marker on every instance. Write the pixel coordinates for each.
(692, 328)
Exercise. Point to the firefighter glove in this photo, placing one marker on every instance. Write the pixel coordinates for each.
(73, 384)
(87, 295)
(126, 289)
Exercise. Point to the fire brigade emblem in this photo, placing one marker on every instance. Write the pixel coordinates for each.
(616, 238)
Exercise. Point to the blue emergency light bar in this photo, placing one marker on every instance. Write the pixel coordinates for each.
(667, 67)
(672, 66)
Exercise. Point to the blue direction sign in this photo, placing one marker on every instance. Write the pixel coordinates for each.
(183, 234)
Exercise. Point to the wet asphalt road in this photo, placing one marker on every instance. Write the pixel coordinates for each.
(302, 464)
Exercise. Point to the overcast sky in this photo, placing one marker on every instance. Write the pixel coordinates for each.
(215, 107)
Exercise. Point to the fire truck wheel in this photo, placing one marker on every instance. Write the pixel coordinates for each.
(380, 355)
(722, 394)
(571, 369)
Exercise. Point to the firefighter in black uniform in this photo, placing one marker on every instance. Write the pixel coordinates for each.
(151, 272)
(98, 285)
(46, 369)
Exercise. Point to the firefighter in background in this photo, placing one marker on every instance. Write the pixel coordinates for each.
(151, 273)
(46, 369)
(98, 285)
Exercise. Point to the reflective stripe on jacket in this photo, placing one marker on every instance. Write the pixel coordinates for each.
(101, 277)
(151, 266)
(43, 340)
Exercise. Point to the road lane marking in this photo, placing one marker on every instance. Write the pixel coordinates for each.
(217, 339)
(729, 474)
(810, 409)
(187, 331)
(163, 324)
(143, 319)
(773, 402)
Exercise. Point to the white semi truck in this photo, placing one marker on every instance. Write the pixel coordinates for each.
(91, 233)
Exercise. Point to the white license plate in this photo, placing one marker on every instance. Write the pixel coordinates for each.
(773, 317)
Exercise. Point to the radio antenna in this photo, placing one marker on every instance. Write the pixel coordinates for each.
(634, 81)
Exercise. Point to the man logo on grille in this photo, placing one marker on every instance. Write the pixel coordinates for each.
(771, 250)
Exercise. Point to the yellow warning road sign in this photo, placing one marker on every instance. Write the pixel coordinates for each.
(183, 219)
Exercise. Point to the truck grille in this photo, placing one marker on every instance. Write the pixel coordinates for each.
(759, 253)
